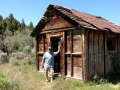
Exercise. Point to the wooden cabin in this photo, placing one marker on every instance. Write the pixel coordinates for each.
(87, 42)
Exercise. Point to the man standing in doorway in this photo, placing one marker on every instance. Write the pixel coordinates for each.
(48, 62)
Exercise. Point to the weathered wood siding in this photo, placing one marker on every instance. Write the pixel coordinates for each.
(98, 54)
(77, 41)
(56, 23)
(94, 53)
(40, 49)
(118, 47)
(77, 66)
(40, 43)
(67, 42)
(73, 50)
(109, 53)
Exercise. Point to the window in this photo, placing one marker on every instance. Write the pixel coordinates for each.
(111, 45)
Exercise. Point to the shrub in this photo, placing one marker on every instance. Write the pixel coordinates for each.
(1, 43)
(3, 58)
(14, 62)
(21, 40)
(8, 33)
(8, 45)
(33, 52)
(27, 49)
(4, 81)
(99, 80)
(1, 51)
(20, 55)
(30, 61)
(8, 84)
(114, 74)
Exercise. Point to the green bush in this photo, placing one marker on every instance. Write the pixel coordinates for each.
(115, 73)
(8, 84)
(99, 80)
(20, 55)
(30, 61)
(3, 58)
(27, 49)
(15, 62)
(4, 81)
(22, 40)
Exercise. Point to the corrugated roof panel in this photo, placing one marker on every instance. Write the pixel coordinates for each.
(99, 22)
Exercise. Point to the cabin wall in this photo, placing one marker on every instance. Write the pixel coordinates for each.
(118, 45)
(100, 46)
(73, 50)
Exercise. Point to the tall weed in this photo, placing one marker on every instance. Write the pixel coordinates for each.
(7, 83)
(15, 62)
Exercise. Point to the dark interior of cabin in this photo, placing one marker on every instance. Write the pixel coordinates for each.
(55, 42)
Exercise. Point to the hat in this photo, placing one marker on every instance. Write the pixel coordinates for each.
(49, 48)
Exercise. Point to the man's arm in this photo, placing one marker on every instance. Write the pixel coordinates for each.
(58, 50)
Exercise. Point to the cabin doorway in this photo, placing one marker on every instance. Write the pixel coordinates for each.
(55, 42)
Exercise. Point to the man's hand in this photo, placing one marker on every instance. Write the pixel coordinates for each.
(59, 48)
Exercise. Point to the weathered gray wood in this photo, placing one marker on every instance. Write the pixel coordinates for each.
(63, 53)
(91, 55)
(95, 48)
(83, 54)
(86, 55)
(119, 44)
(68, 65)
(101, 54)
(108, 62)
(71, 45)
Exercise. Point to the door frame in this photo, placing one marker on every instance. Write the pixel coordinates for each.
(56, 35)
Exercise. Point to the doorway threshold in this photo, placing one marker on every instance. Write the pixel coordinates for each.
(57, 74)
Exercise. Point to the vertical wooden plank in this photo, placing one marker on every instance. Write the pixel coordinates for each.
(46, 44)
(101, 54)
(105, 61)
(63, 53)
(91, 55)
(110, 50)
(48, 39)
(68, 65)
(71, 44)
(43, 36)
(77, 41)
(67, 45)
(95, 47)
(86, 54)
(116, 43)
(40, 56)
(77, 67)
(83, 55)
(71, 37)
(119, 44)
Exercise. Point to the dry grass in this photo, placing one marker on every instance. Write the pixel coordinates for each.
(30, 79)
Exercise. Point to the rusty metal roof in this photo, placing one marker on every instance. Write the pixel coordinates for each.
(97, 21)
(81, 18)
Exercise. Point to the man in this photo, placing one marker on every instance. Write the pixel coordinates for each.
(48, 62)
